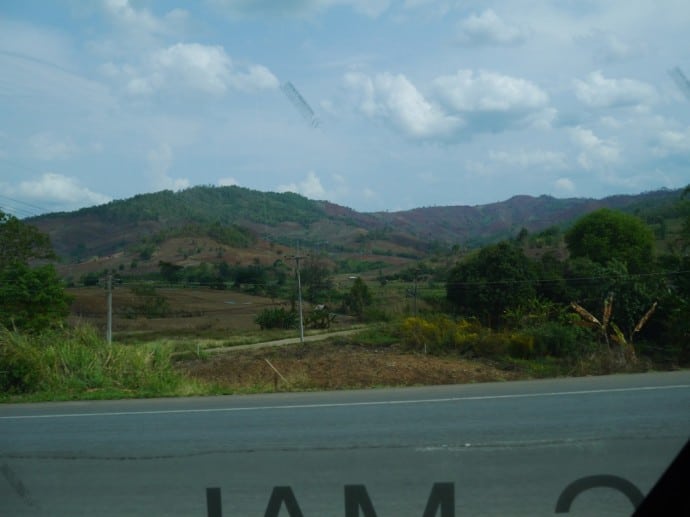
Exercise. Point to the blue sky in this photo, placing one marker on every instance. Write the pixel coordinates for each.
(418, 102)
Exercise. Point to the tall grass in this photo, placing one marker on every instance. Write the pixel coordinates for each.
(77, 362)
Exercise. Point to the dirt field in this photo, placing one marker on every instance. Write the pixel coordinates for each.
(191, 311)
(327, 366)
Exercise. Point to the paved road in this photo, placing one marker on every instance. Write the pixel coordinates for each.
(507, 448)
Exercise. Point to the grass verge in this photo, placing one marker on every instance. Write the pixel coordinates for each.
(78, 364)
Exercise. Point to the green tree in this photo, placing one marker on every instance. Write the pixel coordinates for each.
(317, 279)
(605, 235)
(30, 298)
(358, 298)
(498, 278)
(169, 271)
(22, 243)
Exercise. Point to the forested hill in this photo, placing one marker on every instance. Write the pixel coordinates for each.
(238, 216)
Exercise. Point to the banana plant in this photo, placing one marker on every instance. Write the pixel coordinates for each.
(609, 330)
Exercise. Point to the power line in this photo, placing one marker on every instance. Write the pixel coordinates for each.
(29, 205)
(566, 279)
(15, 211)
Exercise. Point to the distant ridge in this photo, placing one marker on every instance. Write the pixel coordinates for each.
(245, 215)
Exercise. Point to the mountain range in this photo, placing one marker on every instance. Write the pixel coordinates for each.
(240, 218)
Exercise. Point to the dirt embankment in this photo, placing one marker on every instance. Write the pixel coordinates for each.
(327, 366)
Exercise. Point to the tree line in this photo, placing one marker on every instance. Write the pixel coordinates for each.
(611, 282)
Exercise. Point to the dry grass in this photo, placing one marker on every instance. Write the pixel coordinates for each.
(327, 366)
(192, 312)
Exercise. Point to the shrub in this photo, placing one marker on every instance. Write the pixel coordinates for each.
(438, 334)
(276, 318)
(521, 345)
(558, 340)
(149, 302)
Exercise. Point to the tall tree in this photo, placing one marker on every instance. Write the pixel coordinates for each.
(606, 234)
(30, 298)
(499, 277)
(358, 298)
(22, 243)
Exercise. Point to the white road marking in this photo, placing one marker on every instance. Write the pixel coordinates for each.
(348, 404)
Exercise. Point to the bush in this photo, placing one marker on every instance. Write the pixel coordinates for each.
(276, 318)
(558, 340)
(32, 299)
(149, 302)
(439, 334)
(521, 346)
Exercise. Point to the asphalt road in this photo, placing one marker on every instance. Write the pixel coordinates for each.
(506, 448)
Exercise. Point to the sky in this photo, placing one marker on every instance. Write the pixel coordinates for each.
(378, 105)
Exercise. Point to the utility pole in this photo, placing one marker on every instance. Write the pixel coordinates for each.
(109, 330)
(297, 258)
(413, 293)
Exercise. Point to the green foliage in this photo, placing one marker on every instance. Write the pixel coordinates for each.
(69, 362)
(356, 266)
(562, 340)
(30, 298)
(317, 279)
(145, 250)
(276, 318)
(211, 205)
(439, 334)
(605, 235)
(92, 278)
(590, 284)
(498, 278)
(358, 298)
(170, 272)
(20, 242)
(319, 317)
(148, 302)
(378, 335)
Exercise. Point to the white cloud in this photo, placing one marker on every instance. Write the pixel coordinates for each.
(610, 48)
(488, 29)
(160, 160)
(564, 185)
(58, 191)
(258, 77)
(593, 150)
(396, 99)
(142, 20)
(227, 182)
(610, 122)
(370, 8)
(126, 14)
(530, 158)
(47, 146)
(488, 91)
(493, 102)
(673, 142)
(600, 92)
(310, 187)
(204, 68)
